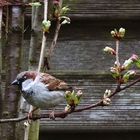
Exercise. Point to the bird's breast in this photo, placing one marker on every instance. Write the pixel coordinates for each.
(38, 95)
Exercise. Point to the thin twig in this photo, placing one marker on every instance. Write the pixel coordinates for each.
(53, 44)
(55, 38)
(117, 53)
(44, 37)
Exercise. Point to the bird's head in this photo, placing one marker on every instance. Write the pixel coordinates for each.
(21, 77)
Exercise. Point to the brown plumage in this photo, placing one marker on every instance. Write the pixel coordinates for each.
(49, 80)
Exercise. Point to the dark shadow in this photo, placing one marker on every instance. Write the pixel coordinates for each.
(102, 135)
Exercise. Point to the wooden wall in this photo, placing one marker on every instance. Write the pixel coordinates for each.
(109, 9)
(80, 61)
(122, 114)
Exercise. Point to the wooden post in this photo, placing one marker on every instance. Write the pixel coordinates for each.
(0, 61)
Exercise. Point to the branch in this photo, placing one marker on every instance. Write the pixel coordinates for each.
(13, 119)
(117, 53)
(53, 45)
(64, 114)
(43, 38)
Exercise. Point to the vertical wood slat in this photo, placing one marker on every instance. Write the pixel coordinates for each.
(103, 9)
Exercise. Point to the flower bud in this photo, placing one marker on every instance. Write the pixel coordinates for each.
(26, 124)
(128, 75)
(113, 70)
(109, 50)
(67, 94)
(68, 108)
(118, 34)
(131, 72)
(113, 33)
(127, 64)
(134, 57)
(106, 101)
(107, 93)
(79, 93)
(66, 20)
(121, 32)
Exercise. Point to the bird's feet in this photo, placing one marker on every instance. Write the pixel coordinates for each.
(30, 115)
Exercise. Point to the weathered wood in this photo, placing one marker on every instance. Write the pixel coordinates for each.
(80, 50)
(103, 9)
(109, 9)
(80, 45)
(123, 113)
(1, 94)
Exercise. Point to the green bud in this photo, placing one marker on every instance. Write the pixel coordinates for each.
(127, 75)
(127, 64)
(73, 98)
(46, 25)
(138, 63)
(35, 4)
(114, 72)
(64, 10)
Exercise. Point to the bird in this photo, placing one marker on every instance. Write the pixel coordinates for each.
(41, 90)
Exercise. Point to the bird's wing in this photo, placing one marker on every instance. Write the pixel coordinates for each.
(50, 81)
(53, 83)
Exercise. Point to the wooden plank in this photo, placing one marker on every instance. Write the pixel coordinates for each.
(80, 45)
(79, 50)
(103, 9)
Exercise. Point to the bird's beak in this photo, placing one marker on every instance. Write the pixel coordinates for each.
(15, 82)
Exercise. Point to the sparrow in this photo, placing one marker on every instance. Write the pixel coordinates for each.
(41, 90)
